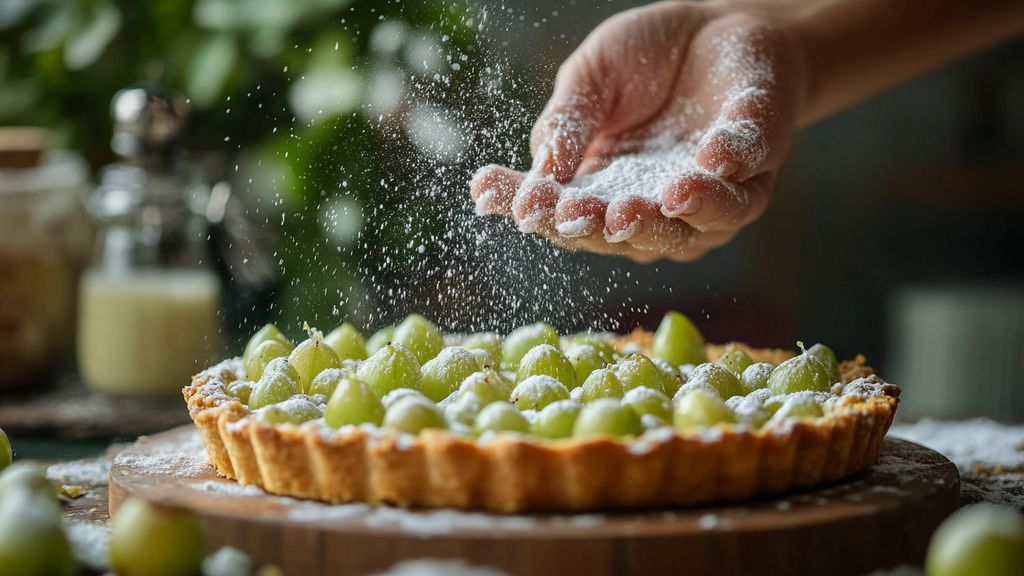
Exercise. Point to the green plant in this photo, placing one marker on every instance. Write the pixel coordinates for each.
(308, 106)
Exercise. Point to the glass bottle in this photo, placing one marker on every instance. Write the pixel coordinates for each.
(42, 232)
(148, 303)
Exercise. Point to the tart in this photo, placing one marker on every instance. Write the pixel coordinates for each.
(536, 421)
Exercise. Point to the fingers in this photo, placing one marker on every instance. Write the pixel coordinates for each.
(580, 217)
(533, 207)
(569, 122)
(634, 227)
(752, 78)
(740, 141)
(638, 223)
(711, 204)
(493, 187)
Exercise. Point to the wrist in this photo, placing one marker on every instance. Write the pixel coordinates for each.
(793, 21)
(801, 26)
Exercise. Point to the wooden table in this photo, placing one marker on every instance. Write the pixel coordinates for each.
(312, 533)
(889, 513)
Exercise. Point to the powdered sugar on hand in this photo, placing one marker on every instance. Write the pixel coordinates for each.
(645, 174)
(667, 152)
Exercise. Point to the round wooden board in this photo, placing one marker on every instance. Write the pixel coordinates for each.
(880, 519)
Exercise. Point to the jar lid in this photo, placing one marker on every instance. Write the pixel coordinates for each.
(58, 170)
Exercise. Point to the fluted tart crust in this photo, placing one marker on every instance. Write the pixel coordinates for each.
(510, 472)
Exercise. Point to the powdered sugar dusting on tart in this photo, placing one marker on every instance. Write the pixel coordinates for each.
(187, 459)
(89, 543)
(84, 472)
(980, 442)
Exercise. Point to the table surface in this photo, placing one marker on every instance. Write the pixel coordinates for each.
(995, 482)
(69, 414)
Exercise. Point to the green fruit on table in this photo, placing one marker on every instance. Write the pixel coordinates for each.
(537, 392)
(488, 385)
(413, 415)
(719, 378)
(501, 417)
(802, 372)
(420, 336)
(585, 359)
(607, 416)
(645, 401)
(25, 476)
(602, 383)
(556, 420)
(827, 357)
(734, 359)
(698, 408)
(347, 342)
(444, 373)
(6, 453)
(295, 410)
(980, 540)
(489, 342)
(636, 370)
(147, 540)
(547, 360)
(268, 332)
(32, 538)
(379, 339)
(355, 402)
(678, 340)
(522, 340)
(312, 357)
(391, 367)
(272, 388)
(257, 362)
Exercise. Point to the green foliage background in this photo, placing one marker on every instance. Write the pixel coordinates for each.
(246, 67)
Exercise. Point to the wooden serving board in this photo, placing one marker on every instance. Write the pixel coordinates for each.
(880, 519)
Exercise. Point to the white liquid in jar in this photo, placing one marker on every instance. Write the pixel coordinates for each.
(147, 332)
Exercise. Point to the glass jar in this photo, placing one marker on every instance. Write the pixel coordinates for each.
(148, 303)
(41, 234)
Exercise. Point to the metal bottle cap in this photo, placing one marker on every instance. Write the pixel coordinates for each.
(148, 124)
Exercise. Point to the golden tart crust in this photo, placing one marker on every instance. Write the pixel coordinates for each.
(510, 473)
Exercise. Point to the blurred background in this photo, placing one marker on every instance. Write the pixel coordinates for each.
(321, 176)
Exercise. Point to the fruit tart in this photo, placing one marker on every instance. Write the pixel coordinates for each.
(535, 420)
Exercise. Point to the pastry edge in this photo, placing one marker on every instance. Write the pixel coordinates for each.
(511, 473)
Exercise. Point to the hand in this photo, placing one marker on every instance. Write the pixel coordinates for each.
(663, 136)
